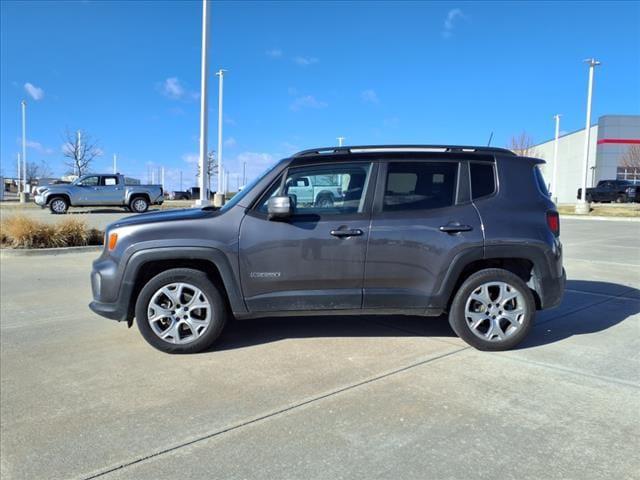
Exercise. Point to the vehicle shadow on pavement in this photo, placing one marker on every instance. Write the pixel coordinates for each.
(580, 313)
(246, 333)
(588, 307)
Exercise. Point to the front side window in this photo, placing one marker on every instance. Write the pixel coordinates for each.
(90, 181)
(419, 185)
(323, 190)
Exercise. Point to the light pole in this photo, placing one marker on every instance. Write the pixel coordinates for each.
(19, 176)
(583, 207)
(115, 161)
(341, 141)
(244, 173)
(79, 154)
(220, 75)
(554, 184)
(203, 104)
(24, 149)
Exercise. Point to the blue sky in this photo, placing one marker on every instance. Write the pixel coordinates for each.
(301, 74)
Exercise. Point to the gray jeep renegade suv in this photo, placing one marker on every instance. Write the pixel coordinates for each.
(414, 230)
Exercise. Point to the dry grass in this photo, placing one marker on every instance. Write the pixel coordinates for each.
(605, 210)
(19, 231)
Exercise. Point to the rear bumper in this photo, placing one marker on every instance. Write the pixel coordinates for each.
(552, 291)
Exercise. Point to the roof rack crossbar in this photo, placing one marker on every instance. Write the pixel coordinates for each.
(403, 148)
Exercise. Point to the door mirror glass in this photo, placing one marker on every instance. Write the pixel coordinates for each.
(279, 207)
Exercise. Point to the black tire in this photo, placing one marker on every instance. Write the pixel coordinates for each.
(324, 201)
(139, 204)
(458, 316)
(622, 198)
(193, 277)
(58, 205)
(589, 198)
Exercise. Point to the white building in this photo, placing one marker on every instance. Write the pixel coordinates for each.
(610, 141)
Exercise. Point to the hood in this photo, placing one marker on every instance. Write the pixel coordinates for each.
(165, 216)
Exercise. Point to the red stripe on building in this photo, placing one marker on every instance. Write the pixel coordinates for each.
(630, 141)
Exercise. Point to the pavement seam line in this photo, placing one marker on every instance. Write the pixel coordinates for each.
(273, 414)
(570, 371)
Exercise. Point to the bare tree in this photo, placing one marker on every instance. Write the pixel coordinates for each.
(523, 145)
(80, 149)
(631, 158)
(212, 167)
(35, 171)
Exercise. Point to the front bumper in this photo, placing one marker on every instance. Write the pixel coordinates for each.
(111, 295)
(40, 200)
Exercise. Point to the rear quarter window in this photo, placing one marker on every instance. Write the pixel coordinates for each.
(483, 180)
(539, 178)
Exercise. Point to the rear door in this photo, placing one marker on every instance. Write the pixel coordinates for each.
(111, 191)
(422, 219)
(315, 259)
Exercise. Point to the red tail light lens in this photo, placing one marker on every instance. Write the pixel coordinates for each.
(553, 221)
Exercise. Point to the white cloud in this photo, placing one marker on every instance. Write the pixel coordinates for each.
(274, 53)
(305, 61)
(306, 101)
(230, 142)
(369, 96)
(450, 21)
(171, 88)
(35, 92)
(36, 146)
(191, 158)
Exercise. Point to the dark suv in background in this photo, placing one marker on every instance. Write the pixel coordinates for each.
(415, 230)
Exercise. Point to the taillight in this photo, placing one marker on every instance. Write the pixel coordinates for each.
(553, 221)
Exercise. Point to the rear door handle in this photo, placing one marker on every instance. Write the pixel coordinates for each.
(346, 233)
(453, 228)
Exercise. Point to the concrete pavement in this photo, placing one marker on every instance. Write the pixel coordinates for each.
(373, 397)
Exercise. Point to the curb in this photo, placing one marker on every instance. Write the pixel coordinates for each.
(41, 252)
(606, 219)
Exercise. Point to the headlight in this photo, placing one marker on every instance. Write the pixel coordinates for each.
(631, 191)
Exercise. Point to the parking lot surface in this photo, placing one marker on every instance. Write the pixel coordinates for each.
(376, 397)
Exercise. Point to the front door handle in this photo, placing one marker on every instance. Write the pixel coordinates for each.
(455, 228)
(346, 233)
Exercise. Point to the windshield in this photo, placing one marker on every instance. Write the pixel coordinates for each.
(246, 189)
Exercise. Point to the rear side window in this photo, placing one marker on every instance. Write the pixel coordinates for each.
(419, 186)
(483, 180)
(110, 181)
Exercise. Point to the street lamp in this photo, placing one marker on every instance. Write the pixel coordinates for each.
(554, 182)
(24, 150)
(341, 141)
(219, 200)
(203, 105)
(582, 207)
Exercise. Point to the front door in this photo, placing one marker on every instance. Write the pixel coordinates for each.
(315, 259)
(89, 190)
(419, 224)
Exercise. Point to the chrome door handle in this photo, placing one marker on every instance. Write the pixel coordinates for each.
(455, 228)
(346, 233)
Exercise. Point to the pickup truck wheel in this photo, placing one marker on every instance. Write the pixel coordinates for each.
(324, 201)
(622, 198)
(59, 205)
(180, 311)
(589, 198)
(139, 205)
(493, 310)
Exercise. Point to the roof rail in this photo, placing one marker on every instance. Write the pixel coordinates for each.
(402, 148)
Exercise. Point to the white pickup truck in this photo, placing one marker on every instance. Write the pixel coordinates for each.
(99, 190)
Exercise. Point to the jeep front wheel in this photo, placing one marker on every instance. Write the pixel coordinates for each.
(180, 311)
(493, 310)
(59, 205)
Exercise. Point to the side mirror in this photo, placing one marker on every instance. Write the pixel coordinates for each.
(279, 207)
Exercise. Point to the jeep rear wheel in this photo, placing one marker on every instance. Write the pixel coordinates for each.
(139, 205)
(180, 311)
(59, 205)
(493, 310)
